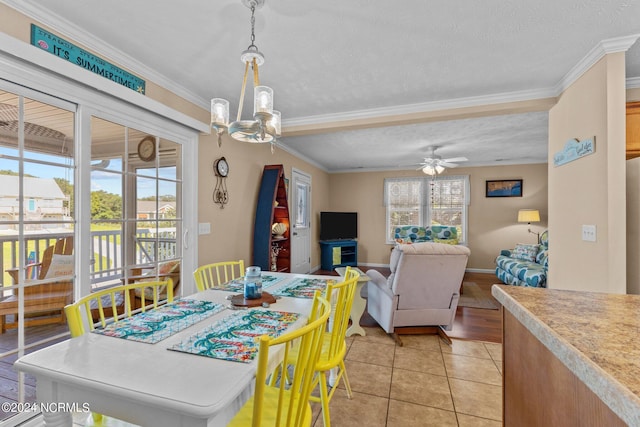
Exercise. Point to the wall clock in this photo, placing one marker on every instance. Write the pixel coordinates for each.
(221, 167)
(220, 193)
(147, 149)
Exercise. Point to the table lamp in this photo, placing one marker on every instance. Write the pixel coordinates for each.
(529, 216)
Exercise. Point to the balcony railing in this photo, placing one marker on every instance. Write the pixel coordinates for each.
(107, 263)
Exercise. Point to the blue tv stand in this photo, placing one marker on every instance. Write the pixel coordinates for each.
(338, 253)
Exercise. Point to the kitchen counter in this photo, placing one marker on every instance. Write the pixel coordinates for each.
(596, 336)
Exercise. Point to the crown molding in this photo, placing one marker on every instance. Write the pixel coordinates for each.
(89, 41)
(408, 109)
(633, 82)
(618, 44)
(466, 165)
(283, 146)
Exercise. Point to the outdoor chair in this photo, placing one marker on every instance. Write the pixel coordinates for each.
(164, 270)
(45, 302)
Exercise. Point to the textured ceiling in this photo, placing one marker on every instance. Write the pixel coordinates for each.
(331, 59)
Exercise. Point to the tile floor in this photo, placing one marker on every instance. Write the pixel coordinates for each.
(425, 382)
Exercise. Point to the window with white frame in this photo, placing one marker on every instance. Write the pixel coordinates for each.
(425, 201)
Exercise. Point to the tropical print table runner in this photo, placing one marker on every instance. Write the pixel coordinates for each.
(155, 325)
(237, 285)
(302, 288)
(234, 337)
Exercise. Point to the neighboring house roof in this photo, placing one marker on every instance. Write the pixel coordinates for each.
(150, 206)
(34, 188)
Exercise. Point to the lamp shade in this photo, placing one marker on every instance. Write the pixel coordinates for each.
(429, 170)
(263, 99)
(276, 122)
(528, 215)
(219, 112)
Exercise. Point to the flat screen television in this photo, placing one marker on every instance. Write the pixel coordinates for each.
(338, 225)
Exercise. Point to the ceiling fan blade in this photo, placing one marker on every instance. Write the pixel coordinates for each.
(456, 159)
(447, 164)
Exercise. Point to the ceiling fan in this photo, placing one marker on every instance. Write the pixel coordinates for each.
(434, 164)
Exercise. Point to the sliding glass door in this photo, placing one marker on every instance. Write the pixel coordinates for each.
(136, 196)
(64, 235)
(37, 231)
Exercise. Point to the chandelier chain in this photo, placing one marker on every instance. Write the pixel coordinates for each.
(253, 24)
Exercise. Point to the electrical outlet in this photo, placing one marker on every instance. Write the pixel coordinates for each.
(589, 233)
(204, 228)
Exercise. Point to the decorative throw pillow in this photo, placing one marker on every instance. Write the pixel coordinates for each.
(525, 252)
(447, 241)
(61, 265)
(169, 267)
(164, 269)
(148, 293)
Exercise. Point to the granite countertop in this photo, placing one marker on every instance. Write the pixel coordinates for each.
(595, 335)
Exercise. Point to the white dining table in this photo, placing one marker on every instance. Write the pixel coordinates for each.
(147, 384)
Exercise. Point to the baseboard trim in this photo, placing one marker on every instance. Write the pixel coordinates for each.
(373, 264)
(480, 270)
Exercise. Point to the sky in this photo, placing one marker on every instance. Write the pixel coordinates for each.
(109, 179)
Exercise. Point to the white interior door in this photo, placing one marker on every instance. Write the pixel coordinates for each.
(300, 207)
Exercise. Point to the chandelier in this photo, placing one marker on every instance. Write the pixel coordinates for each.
(266, 124)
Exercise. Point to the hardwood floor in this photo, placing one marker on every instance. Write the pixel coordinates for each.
(470, 323)
(475, 323)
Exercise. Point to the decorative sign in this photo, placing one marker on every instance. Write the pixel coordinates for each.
(573, 150)
(69, 52)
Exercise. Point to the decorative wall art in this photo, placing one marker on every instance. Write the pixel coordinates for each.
(573, 150)
(504, 188)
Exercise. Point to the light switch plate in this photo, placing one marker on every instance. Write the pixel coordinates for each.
(589, 233)
(204, 228)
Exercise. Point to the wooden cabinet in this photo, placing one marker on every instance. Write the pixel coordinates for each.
(633, 130)
(539, 389)
(271, 252)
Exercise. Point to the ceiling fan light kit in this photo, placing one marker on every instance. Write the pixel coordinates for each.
(266, 124)
(435, 165)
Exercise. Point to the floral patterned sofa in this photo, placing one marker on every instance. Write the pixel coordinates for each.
(525, 265)
(434, 233)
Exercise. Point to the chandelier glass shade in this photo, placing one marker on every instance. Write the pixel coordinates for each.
(265, 126)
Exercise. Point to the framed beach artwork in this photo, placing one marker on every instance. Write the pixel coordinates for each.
(504, 188)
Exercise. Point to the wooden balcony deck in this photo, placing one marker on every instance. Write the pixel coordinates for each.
(36, 337)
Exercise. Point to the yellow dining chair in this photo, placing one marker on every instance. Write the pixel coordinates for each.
(284, 405)
(334, 346)
(112, 305)
(213, 275)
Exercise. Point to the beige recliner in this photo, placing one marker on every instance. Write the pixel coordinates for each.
(421, 294)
